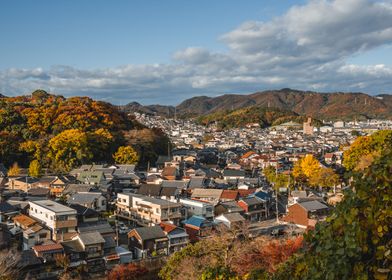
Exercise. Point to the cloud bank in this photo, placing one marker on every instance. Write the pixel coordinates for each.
(306, 48)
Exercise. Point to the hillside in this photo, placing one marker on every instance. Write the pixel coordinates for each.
(241, 117)
(318, 105)
(62, 133)
(161, 110)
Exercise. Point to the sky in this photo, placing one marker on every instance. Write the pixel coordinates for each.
(162, 52)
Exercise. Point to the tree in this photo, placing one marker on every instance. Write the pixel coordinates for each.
(14, 170)
(324, 177)
(127, 272)
(366, 149)
(126, 155)
(35, 168)
(309, 165)
(69, 149)
(355, 240)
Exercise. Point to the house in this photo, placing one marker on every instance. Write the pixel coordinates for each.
(228, 207)
(233, 174)
(153, 190)
(60, 219)
(209, 195)
(170, 173)
(85, 214)
(93, 200)
(306, 214)
(148, 241)
(7, 211)
(58, 185)
(229, 195)
(35, 235)
(160, 163)
(231, 220)
(198, 208)
(198, 227)
(254, 208)
(23, 183)
(48, 252)
(92, 244)
(178, 238)
(101, 226)
(92, 178)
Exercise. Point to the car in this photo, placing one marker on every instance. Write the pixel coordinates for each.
(277, 232)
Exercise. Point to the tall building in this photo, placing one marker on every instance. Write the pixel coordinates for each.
(308, 127)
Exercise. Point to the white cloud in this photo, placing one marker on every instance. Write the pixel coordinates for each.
(306, 48)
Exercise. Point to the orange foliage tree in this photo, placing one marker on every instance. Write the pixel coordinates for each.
(127, 272)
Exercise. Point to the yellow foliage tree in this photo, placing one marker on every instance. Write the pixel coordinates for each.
(35, 168)
(69, 149)
(325, 177)
(309, 165)
(14, 170)
(126, 155)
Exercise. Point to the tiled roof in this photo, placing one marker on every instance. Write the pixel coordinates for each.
(24, 220)
(48, 247)
(166, 227)
(229, 194)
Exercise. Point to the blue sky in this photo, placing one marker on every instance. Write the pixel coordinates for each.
(167, 51)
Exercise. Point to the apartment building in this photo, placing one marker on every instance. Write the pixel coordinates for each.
(60, 219)
(147, 210)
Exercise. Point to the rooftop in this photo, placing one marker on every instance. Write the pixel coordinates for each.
(53, 206)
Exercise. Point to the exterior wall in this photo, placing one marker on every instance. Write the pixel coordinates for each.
(297, 215)
(63, 226)
(198, 208)
(36, 238)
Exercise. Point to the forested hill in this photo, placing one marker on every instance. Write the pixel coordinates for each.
(318, 105)
(62, 133)
(263, 116)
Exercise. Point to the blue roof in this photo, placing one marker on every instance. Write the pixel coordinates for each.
(263, 195)
(196, 221)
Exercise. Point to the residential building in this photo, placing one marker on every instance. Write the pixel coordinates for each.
(148, 241)
(198, 208)
(60, 219)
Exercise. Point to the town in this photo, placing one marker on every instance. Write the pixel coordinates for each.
(102, 215)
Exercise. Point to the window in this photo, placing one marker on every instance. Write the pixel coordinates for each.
(42, 235)
(103, 202)
(46, 215)
(157, 210)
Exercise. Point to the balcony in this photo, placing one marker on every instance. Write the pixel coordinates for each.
(66, 224)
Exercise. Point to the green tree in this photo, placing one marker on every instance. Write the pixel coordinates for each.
(126, 155)
(35, 169)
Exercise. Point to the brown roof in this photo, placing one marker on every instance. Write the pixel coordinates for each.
(246, 192)
(48, 247)
(166, 227)
(24, 221)
(229, 194)
(169, 171)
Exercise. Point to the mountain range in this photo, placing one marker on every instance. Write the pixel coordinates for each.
(337, 105)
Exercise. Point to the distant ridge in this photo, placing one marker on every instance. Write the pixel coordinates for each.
(337, 105)
(2, 96)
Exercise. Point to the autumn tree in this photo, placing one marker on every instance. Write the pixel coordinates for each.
(355, 240)
(35, 169)
(127, 272)
(366, 149)
(14, 170)
(69, 149)
(126, 155)
(324, 177)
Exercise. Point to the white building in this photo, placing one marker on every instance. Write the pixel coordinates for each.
(60, 219)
